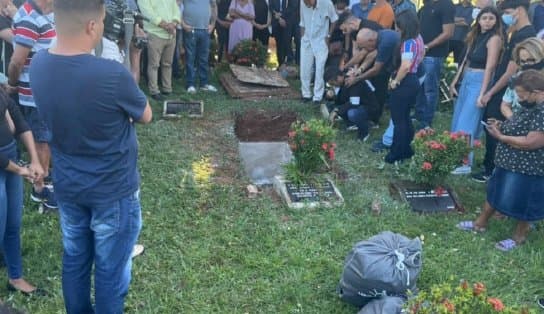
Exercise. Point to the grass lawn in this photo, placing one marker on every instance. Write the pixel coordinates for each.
(225, 253)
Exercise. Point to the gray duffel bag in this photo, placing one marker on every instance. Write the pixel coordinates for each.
(387, 264)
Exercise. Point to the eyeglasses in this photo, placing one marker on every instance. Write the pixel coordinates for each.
(527, 61)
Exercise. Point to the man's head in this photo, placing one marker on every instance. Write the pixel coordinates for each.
(364, 3)
(309, 3)
(83, 19)
(515, 11)
(485, 3)
(348, 22)
(529, 86)
(367, 39)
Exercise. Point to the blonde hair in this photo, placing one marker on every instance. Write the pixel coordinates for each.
(533, 45)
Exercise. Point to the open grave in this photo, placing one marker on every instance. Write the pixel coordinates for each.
(262, 144)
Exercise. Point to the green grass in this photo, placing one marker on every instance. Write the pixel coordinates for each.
(231, 254)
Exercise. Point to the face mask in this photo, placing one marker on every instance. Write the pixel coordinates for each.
(508, 19)
(475, 13)
(526, 104)
(537, 66)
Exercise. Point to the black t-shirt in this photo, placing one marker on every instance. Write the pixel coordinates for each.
(516, 37)
(5, 48)
(432, 16)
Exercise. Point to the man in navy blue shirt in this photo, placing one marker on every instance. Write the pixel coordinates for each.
(90, 105)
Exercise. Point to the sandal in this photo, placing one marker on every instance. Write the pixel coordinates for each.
(506, 245)
(469, 225)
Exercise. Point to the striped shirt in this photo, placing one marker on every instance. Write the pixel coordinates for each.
(34, 30)
(413, 50)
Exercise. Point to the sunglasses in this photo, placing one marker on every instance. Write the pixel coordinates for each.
(527, 61)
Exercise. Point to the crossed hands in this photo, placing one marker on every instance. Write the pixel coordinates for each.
(34, 172)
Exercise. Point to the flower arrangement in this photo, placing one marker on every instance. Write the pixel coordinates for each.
(249, 52)
(312, 145)
(462, 299)
(437, 154)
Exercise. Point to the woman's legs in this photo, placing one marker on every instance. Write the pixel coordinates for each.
(481, 221)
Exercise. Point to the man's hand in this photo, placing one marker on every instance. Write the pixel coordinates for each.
(282, 22)
(350, 80)
(36, 170)
(9, 10)
(186, 27)
(10, 89)
(210, 28)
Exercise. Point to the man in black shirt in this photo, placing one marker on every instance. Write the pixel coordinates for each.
(515, 17)
(436, 19)
(463, 20)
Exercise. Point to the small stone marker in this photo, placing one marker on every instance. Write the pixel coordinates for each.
(173, 109)
(425, 199)
(308, 195)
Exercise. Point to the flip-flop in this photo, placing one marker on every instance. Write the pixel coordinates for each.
(506, 245)
(468, 225)
(137, 250)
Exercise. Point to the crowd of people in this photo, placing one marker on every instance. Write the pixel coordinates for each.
(66, 105)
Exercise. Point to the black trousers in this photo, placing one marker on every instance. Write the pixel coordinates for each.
(458, 48)
(261, 35)
(492, 111)
(402, 99)
(380, 82)
(367, 97)
(283, 42)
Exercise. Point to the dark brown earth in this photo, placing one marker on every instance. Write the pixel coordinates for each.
(263, 126)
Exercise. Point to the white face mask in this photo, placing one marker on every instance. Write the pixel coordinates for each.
(475, 13)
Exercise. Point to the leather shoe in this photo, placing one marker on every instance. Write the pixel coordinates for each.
(36, 292)
(156, 97)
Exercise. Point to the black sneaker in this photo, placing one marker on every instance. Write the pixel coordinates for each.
(481, 177)
(157, 97)
(46, 197)
(379, 146)
(540, 303)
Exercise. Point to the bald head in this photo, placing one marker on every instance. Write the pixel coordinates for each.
(485, 3)
(367, 39)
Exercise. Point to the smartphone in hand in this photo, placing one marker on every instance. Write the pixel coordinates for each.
(484, 123)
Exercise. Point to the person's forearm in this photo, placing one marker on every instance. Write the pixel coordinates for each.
(13, 167)
(503, 80)
(442, 38)
(14, 72)
(213, 16)
(28, 142)
(401, 73)
(533, 141)
(506, 110)
(373, 71)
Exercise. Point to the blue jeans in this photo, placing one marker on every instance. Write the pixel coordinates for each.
(104, 234)
(197, 43)
(427, 97)
(11, 212)
(467, 116)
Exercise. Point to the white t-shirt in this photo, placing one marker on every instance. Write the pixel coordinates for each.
(111, 51)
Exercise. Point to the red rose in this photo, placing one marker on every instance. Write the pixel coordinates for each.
(331, 154)
(427, 166)
(478, 288)
(496, 303)
(477, 143)
(325, 146)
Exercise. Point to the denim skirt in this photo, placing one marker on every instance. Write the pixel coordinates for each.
(516, 195)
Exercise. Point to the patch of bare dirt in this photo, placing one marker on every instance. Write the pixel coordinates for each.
(264, 126)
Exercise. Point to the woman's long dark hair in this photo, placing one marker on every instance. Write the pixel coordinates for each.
(408, 24)
(476, 29)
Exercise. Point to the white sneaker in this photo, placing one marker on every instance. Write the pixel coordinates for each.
(462, 170)
(137, 250)
(191, 90)
(209, 88)
(352, 128)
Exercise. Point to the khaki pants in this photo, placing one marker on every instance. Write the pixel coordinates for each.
(160, 52)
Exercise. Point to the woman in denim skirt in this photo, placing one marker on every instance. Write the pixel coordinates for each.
(484, 45)
(516, 187)
(12, 125)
